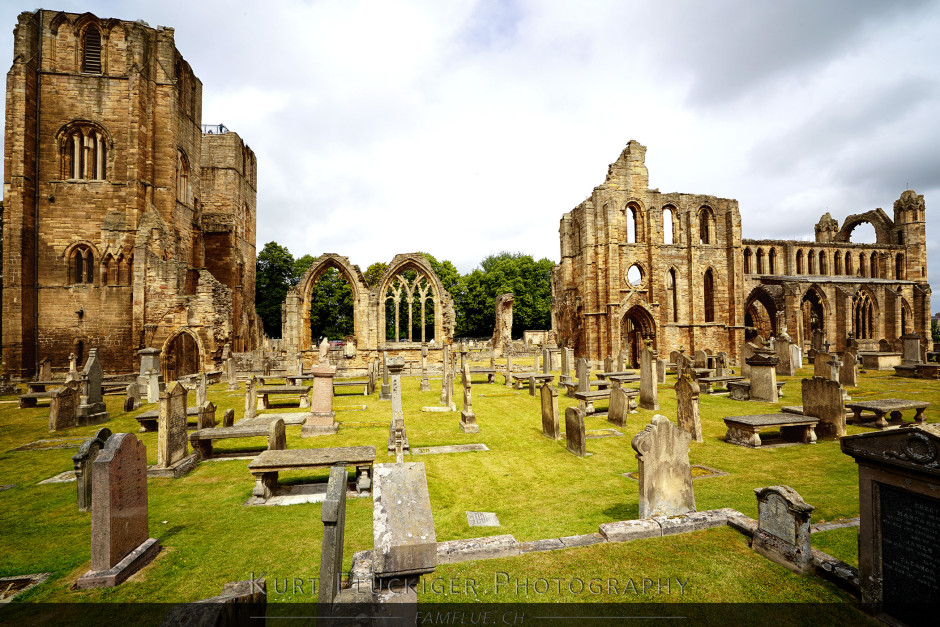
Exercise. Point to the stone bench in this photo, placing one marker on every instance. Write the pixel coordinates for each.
(523, 378)
(706, 384)
(352, 384)
(741, 390)
(298, 379)
(202, 439)
(620, 379)
(263, 392)
(918, 371)
(572, 386)
(266, 466)
(586, 399)
(745, 430)
(148, 419)
(40, 386)
(31, 399)
(892, 406)
(603, 376)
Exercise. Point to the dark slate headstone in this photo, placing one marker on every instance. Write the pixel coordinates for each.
(574, 431)
(119, 542)
(82, 462)
(549, 397)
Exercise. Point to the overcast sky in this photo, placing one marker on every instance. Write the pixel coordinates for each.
(465, 128)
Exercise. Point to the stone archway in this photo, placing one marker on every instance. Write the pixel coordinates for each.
(180, 356)
(636, 326)
(760, 313)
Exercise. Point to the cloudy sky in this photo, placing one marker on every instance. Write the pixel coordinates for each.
(464, 128)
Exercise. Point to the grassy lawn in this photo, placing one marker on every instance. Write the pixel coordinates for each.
(536, 488)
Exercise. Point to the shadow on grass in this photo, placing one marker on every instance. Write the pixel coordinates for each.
(623, 511)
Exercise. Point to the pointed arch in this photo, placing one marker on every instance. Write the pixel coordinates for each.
(760, 311)
(864, 314)
(394, 286)
(672, 294)
(759, 261)
(706, 226)
(181, 354)
(772, 261)
(708, 295)
(814, 307)
(748, 269)
(669, 225)
(349, 272)
(636, 326)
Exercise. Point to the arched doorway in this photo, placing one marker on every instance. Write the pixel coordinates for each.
(180, 357)
(812, 317)
(636, 327)
(760, 314)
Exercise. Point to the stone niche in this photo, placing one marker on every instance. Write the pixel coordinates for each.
(899, 510)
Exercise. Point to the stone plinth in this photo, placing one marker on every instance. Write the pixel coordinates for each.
(763, 367)
(322, 419)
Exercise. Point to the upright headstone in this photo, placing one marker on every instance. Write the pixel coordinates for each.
(899, 520)
(277, 436)
(622, 361)
(721, 368)
(502, 331)
(684, 364)
(45, 370)
(574, 431)
(119, 529)
(153, 386)
(251, 396)
(322, 419)
(764, 376)
(687, 415)
(425, 384)
(796, 356)
(72, 374)
(201, 393)
(700, 359)
(822, 398)
(912, 352)
(385, 394)
(395, 366)
(648, 378)
(63, 406)
(583, 370)
(447, 389)
(619, 406)
(149, 360)
(665, 473)
(817, 341)
(333, 517)
(81, 461)
(549, 397)
(661, 371)
(535, 362)
(508, 368)
(131, 397)
(206, 417)
(821, 365)
(848, 373)
(173, 457)
(785, 367)
(91, 409)
(468, 420)
(546, 361)
(608, 364)
(231, 374)
(783, 528)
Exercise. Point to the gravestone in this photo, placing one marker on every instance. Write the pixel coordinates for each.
(565, 367)
(508, 368)
(425, 384)
(583, 370)
(72, 374)
(574, 431)
(664, 471)
(619, 406)
(848, 373)
(385, 394)
(206, 417)
(447, 388)
(763, 376)
(821, 366)
(700, 359)
(251, 396)
(687, 416)
(785, 365)
(82, 461)
(91, 408)
(660, 371)
(468, 420)
(783, 528)
(231, 374)
(899, 520)
(796, 356)
(822, 398)
(648, 378)
(173, 457)
(684, 364)
(322, 419)
(131, 397)
(201, 385)
(817, 341)
(277, 436)
(912, 352)
(549, 397)
(45, 370)
(608, 364)
(119, 543)
(546, 361)
(721, 368)
(63, 406)
(747, 351)
(535, 362)
(395, 366)
(622, 361)
(333, 517)
(153, 386)
(228, 418)
(149, 361)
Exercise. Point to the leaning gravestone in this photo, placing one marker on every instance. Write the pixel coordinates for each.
(665, 474)
(82, 461)
(648, 378)
(277, 436)
(899, 522)
(173, 457)
(822, 398)
(783, 528)
(119, 543)
(574, 431)
(549, 397)
(619, 406)
(687, 416)
(63, 406)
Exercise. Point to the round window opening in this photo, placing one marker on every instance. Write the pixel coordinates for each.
(634, 276)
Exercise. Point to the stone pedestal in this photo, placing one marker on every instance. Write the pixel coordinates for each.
(321, 420)
(763, 367)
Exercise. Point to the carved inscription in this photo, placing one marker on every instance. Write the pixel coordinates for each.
(910, 555)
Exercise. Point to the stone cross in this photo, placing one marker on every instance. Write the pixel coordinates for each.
(665, 474)
(549, 398)
(73, 368)
(82, 461)
(687, 415)
(574, 431)
(783, 528)
(648, 378)
(119, 528)
(468, 420)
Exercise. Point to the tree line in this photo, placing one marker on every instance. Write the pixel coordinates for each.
(474, 294)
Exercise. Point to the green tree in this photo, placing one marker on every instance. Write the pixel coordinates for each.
(331, 306)
(935, 330)
(301, 265)
(374, 272)
(274, 276)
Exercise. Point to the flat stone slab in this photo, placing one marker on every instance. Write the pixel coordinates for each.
(450, 448)
(291, 419)
(583, 540)
(835, 524)
(282, 389)
(698, 472)
(62, 477)
(693, 521)
(299, 494)
(12, 587)
(500, 394)
(349, 408)
(887, 405)
(56, 443)
(8, 486)
(224, 433)
(403, 537)
(602, 433)
(771, 420)
(455, 551)
(299, 458)
(482, 519)
(551, 544)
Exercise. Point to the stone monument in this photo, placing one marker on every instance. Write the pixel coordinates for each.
(549, 398)
(173, 456)
(468, 420)
(783, 528)
(665, 473)
(63, 406)
(322, 419)
(395, 366)
(385, 394)
(91, 408)
(687, 416)
(648, 378)
(574, 431)
(502, 332)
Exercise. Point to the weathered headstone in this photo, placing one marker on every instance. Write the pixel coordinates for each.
(785, 365)
(583, 370)
(622, 361)
(395, 366)
(153, 386)
(502, 331)
(796, 356)
(818, 340)
(228, 418)
(648, 378)
(72, 374)
(91, 408)
(721, 367)
(149, 360)
(546, 361)
(45, 370)
(608, 364)
(333, 517)
(63, 406)
(700, 359)
(119, 543)
(508, 368)
(549, 398)
(848, 373)
(468, 420)
(201, 394)
(899, 520)
(206, 416)
(173, 457)
(783, 528)
(747, 351)
(322, 419)
(661, 371)
(277, 436)
(684, 364)
(131, 397)
(231, 374)
(822, 398)
(821, 365)
(574, 431)
(82, 461)
(912, 352)
(665, 473)
(619, 406)
(425, 384)
(251, 396)
(687, 416)
(763, 366)
(447, 389)
(385, 394)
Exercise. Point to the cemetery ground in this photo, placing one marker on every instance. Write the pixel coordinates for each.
(537, 489)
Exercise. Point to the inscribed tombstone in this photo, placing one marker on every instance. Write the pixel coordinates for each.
(63, 406)
(619, 406)
(648, 379)
(172, 445)
(783, 528)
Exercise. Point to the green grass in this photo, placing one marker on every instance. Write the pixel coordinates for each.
(537, 489)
